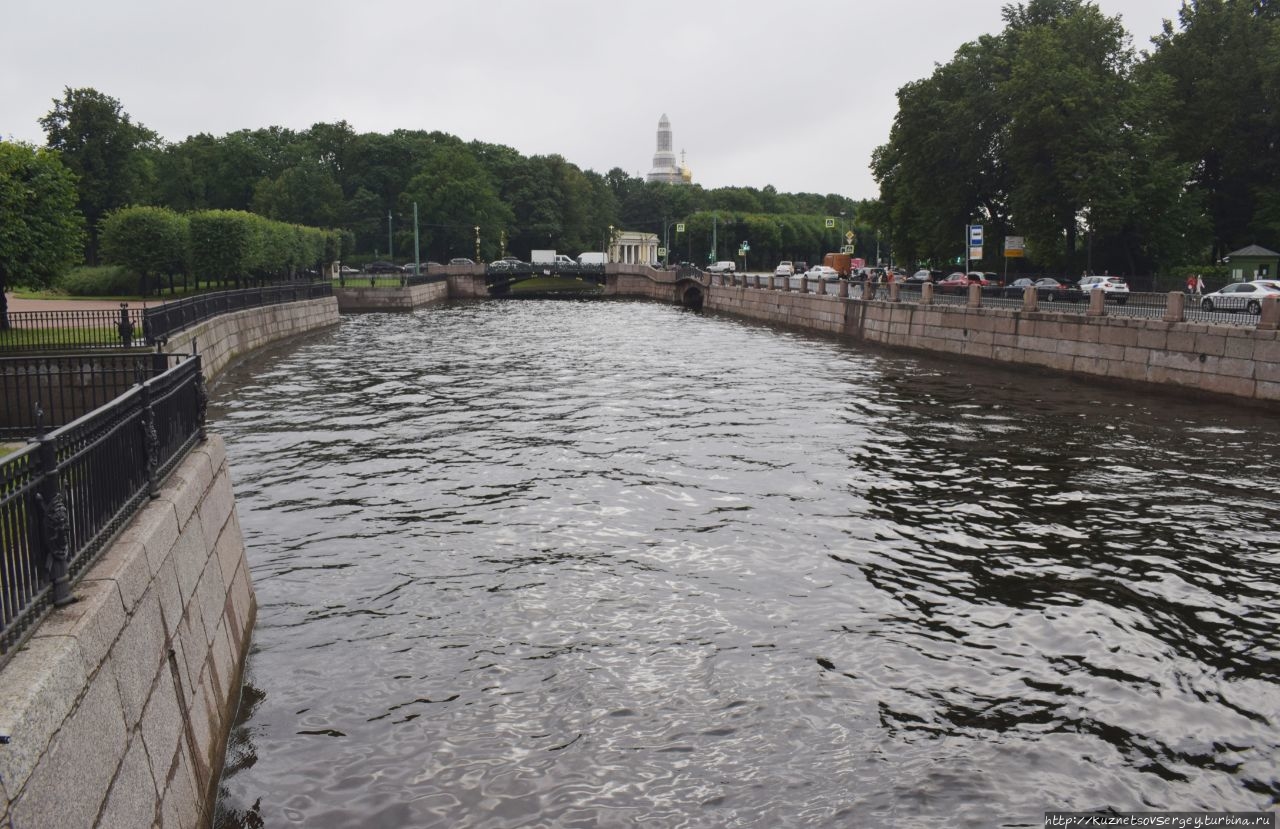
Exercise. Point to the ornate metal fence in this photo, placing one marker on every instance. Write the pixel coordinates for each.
(63, 330)
(64, 497)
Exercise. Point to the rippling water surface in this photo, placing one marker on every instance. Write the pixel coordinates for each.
(612, 564)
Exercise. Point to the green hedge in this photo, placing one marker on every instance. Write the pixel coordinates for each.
(105, 280)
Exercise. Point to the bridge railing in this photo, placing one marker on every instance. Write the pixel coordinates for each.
(64, 497)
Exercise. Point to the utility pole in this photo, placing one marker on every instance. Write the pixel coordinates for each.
(715, 249)
(390, 254)
(417, 257)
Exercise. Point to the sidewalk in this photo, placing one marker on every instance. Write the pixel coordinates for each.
(73, 304)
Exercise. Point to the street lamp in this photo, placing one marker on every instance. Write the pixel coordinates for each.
(608, 251)
(477, 244)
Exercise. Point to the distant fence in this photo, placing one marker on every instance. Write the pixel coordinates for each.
(64, 497)
(64, 330)
(135, 327)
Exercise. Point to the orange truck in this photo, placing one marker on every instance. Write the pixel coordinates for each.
(841, 263)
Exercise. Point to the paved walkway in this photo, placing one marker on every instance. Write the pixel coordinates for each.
(73, 304)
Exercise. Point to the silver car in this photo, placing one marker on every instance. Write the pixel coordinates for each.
(1240, 296)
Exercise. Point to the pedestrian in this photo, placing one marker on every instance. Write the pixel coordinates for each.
(1199, 285)
(1191, 283)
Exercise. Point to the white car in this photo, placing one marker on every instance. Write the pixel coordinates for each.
(1240, 296)
(722, 267)
(785, 268)
(1114, 287)
(822, 272)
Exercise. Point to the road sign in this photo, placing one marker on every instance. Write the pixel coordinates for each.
(831, 222)
(975, 236)
(662, 251)
(846, 248)
(746, 246)
(680, 227)
(1014, 247)
(848, 236)
(975, 252)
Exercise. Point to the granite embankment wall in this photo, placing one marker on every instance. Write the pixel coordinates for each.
(115, 713)
(1236, 361)
(353, 298)
(222, 339)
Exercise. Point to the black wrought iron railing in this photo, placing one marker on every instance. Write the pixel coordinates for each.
(66, 495)
(64, 387)
(161, 322)
(63, 330)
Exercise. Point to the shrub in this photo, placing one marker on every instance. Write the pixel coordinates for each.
(105, 280)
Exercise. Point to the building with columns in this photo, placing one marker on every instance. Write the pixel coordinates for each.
(634, 248)
(665, 169)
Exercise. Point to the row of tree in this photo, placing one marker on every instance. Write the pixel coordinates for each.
(1103, 159)
(467, 194)
(219, 247)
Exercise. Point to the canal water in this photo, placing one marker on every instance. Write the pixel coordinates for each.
(607, 563)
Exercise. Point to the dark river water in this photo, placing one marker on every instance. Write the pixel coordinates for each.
(614, 564)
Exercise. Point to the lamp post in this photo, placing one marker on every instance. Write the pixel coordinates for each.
(608, 248)
(477, 244)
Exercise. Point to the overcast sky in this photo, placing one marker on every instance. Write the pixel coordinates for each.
(793, 93)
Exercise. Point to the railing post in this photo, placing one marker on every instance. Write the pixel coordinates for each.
(55, 520)
(1175, 308)
(975, 295)
(926, 293)
(1097, 297)
(1030, 298)
(124, 326)
(844, 289)
(1269, 319)
(150, 439)
(895, 292)
(822, 285)
(804, 284)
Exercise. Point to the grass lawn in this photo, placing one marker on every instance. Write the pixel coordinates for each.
(552, 284)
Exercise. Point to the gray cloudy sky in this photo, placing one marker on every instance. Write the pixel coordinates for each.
(795, 93)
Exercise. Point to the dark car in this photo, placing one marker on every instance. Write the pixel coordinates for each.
(1047, 290)
(382, 267)
(461, 260)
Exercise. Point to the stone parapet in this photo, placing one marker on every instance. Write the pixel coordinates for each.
(116, 711)
(224, 338)
(393, 299)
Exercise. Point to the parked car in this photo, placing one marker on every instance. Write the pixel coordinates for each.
(924, 275)
(461, 260)
(955, 283)
(506, 263)
(822, 272)
(727, 266)
(986, 279)
(1240, 296)
(1116, 289)
(382, 267)
(1047, 290)
(801, 266)
(785, 268)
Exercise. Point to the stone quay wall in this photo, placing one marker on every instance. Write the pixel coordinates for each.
(115, 713)
(354, 298)
(1223, 360)
(224, 338)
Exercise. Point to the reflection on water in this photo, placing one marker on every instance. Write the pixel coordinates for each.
(604, 564)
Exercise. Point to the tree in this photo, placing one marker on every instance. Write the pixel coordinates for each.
(104, 148)
(454, 196)
(149, 241)
(41, 230)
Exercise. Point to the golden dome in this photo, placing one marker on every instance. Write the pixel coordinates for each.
(686, 175)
